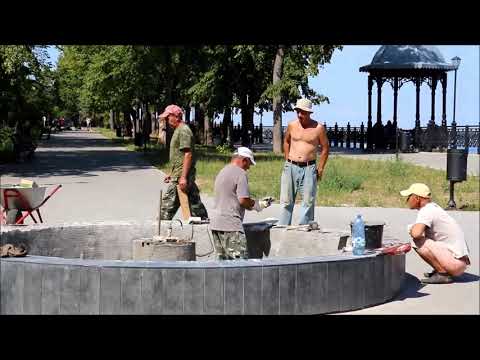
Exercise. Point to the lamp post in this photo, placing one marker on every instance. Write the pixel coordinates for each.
(455, 62)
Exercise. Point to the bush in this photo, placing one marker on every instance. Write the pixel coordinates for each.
(6, 144)
(224, 149)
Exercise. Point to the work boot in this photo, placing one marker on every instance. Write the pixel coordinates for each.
(438, 278)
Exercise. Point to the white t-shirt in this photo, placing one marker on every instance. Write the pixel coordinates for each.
(442, 227)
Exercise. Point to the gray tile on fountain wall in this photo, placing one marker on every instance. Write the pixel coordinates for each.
(387, 277)
(52, 276)
(287, 277)
(11, 293)
(349, 285)
(152, 291)
(234, 291)
(398, 272)
(194, 291)
(270, 291)
(252, 280)
(335, 285)
(89, 290)
(303, 293)
(370, 282)
(131, 291)
(32, 289)
(319, 286)
(379, 281)
(173, 291)
(69, 298)
(360, 283)
(110, 291)
(214, 291)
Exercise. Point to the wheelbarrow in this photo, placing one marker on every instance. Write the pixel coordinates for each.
(16, 199)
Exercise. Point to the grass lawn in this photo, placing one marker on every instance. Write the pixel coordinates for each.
(345, 182)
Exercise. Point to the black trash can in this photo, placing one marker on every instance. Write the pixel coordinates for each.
(119, 131)
(405, 141)
(457, 164)
(138, 141)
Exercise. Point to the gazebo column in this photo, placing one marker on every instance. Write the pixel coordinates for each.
(378, 131)
(434, 86)
(444, 99)
(369, 122)
(444, 130)
(418, 82)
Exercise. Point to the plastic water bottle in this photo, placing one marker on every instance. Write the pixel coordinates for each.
(358, 236)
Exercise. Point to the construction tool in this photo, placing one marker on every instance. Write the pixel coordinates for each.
(184, 204)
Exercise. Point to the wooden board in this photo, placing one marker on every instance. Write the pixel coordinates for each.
(184, 204)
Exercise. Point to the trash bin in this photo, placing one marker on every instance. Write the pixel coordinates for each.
(457, 164)
(119, 131)
(404, 141)
(138, 141)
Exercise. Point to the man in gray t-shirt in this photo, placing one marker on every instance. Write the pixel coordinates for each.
(232, 197)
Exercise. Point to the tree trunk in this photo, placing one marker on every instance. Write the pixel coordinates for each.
(208, 129)
(111, 119)
(245, 122)
(227, 126)
(200, 124)
(277, 103)
(187, 114)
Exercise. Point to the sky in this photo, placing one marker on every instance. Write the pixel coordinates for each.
(346, 87)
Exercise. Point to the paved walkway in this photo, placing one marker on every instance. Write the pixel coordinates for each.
(104, 182)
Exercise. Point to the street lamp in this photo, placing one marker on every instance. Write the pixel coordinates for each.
(455, 62)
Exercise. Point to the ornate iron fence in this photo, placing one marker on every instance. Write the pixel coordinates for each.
(385, 137)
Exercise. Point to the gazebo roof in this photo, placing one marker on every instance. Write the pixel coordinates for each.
(402, 57)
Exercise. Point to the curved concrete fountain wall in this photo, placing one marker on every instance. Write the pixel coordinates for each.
(45, 283)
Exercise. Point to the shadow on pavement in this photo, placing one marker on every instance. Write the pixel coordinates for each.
(410, 288)
(466, 278)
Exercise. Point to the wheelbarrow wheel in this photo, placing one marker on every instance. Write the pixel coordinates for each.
(13, 215)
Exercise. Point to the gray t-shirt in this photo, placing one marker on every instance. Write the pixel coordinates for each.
(231, 183)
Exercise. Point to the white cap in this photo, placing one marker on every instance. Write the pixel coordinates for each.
(245, 152)
(304, 104)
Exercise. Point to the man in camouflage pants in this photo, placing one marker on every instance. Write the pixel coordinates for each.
(232, 197)
(182, 158)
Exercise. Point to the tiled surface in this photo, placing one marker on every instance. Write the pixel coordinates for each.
(288, 287)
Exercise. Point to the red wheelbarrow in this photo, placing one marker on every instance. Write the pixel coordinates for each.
(16, 200)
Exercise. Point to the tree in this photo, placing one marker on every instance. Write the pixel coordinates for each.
(293, 65)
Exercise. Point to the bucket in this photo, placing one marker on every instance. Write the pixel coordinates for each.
(373, 234)
(258, 239)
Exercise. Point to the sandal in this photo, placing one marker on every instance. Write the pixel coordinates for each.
(438, 278)
(430, 274)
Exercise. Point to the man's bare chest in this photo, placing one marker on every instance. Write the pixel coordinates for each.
(308, 135)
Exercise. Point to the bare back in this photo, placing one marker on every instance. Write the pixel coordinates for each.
(304, 141)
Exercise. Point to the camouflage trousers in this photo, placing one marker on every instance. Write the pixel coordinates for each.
(230, 245)
(171, 202)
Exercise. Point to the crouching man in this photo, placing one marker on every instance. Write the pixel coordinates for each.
(438, 238)
(232, 197)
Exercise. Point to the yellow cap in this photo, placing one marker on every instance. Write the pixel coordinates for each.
(417, 189)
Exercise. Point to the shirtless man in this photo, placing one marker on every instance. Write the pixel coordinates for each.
(300, 172)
